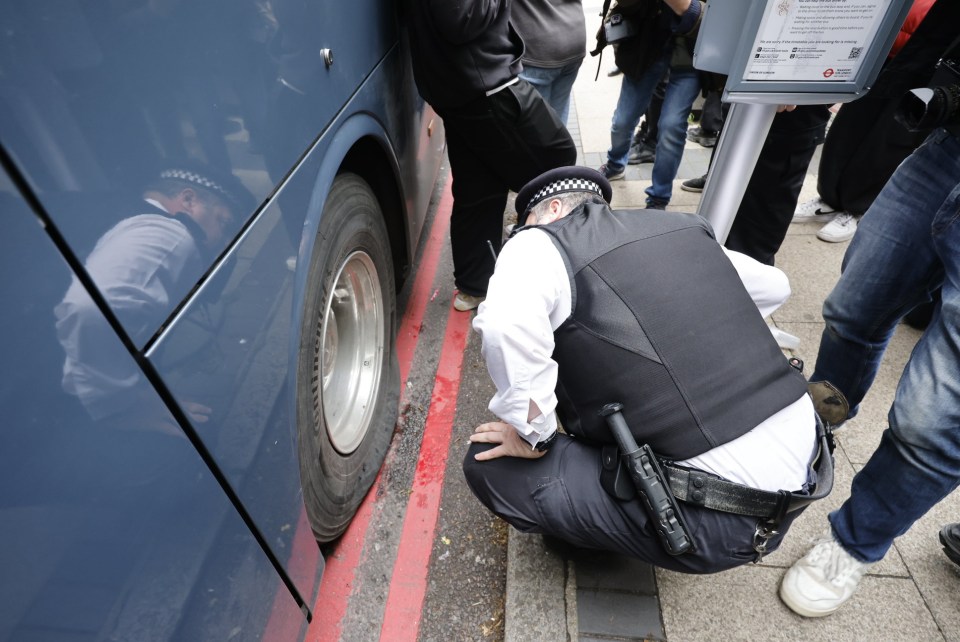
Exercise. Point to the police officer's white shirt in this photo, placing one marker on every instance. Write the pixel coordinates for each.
(528, 297)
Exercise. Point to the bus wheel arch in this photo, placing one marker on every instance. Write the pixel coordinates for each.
(369, 159)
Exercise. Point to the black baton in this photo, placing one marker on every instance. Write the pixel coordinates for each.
(650, 482)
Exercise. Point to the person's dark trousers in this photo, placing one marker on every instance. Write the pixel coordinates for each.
(651, 117)
(496, 144)
(711, 118)
(774, 188)
(724, 110)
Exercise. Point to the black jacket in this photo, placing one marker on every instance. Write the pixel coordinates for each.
(661, 323)
(461, 49)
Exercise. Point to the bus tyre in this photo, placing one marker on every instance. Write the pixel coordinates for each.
(348, 380)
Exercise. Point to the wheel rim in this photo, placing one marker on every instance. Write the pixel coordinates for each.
(350, 358)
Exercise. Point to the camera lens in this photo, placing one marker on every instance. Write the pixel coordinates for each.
(915, 108)
(929, 107)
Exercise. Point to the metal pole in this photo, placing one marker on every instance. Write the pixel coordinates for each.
(741, 140)
(738, 149)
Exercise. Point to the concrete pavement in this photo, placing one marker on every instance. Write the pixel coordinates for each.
(912, 594)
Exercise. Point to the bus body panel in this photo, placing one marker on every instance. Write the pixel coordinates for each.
(149, 484)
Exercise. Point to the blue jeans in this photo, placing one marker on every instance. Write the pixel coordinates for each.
(554, 84)
(907, 244)
(635, 93)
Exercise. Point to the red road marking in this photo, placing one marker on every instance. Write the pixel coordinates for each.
(401, 619)
(412, 320)
(341, 569)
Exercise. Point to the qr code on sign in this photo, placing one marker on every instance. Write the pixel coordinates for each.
(854, 53)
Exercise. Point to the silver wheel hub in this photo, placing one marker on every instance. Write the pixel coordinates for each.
(350, 360)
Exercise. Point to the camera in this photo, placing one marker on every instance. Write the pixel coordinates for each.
(618, 27)
(937, 105)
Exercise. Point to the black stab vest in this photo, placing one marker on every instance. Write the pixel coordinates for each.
(661, 322)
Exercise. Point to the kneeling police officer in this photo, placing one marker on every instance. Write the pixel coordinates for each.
(596, 317)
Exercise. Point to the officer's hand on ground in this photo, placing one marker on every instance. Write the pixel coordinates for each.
(511, 444)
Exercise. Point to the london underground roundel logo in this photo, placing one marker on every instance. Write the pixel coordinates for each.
(827, 73)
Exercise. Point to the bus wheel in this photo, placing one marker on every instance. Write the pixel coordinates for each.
(348, 381)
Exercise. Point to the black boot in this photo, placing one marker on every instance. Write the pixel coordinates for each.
(950, 538)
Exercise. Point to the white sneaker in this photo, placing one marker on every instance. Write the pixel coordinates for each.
(814, 210)
(822, 581)
(465, 302)
(840, 229)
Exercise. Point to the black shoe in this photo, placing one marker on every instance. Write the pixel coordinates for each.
(704, 138)
(950, 538)
(657, 204)
(609, 173)
(694, 184)
(640, 154)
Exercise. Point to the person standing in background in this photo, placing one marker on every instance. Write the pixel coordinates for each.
(664, 37)
(554, 33)
(500, 132)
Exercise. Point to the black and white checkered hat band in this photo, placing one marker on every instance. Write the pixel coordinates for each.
(196, 179)
(565, 185)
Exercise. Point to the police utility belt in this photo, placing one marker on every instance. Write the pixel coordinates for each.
(630, 470)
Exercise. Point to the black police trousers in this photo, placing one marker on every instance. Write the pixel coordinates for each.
(560, 495)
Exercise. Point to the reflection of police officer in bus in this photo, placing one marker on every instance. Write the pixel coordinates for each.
(143, 266)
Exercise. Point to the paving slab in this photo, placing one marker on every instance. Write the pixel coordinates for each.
(937, 579)
(536, 603)
(742, 604)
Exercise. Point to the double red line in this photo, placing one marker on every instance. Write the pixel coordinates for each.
(401, 619)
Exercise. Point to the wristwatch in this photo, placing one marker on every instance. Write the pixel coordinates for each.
(545, 445)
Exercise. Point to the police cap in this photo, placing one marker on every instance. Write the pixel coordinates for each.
(222, 183)
(559, 181)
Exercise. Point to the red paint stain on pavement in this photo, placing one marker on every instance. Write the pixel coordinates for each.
(408, 587)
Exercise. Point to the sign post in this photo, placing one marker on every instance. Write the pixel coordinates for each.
(783, 52)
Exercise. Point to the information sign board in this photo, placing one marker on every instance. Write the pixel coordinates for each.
(797, 51)
(813, 40)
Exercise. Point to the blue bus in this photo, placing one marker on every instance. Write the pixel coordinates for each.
(208, 210)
